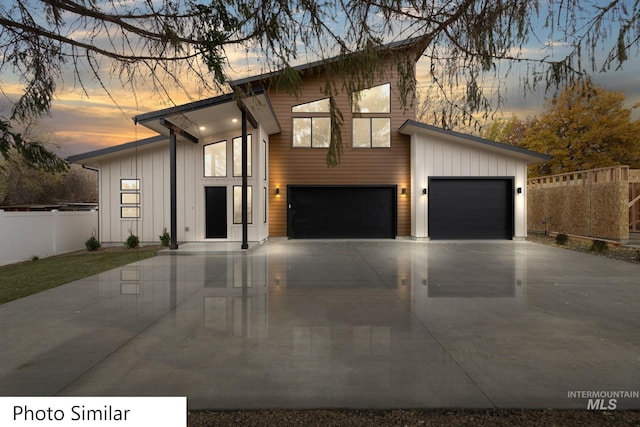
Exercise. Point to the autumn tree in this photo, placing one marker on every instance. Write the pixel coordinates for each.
(44, 43)
(21, 184)
(584, 127)
(507, 131)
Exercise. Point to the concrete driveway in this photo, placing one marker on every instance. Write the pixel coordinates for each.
(359, 324)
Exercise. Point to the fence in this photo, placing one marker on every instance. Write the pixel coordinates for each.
(24, 235)
(591, 203)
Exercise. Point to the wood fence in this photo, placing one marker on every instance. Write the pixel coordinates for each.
(602, 203)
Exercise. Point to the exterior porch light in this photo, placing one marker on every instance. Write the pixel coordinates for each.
(277, 191)
(404, 191)
(424, 191)
(519, 190)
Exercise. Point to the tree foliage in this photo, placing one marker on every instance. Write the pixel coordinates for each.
(23, 184)
(584, 127)
(468, 44)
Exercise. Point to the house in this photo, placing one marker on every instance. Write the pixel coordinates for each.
(396, 177)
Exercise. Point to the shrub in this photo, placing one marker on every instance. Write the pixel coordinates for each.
(92, 244)
(165, 238)
(599, 246)
(132, 241)
(35, 258)
(562, 239)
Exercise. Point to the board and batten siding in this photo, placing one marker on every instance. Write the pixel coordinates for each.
(151, 166)
(439, 157)
(358, 166)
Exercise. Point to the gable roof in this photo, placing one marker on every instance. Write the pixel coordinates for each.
(411, 127)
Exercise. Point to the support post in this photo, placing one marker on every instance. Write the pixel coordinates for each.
(245, 191)
(173, 189)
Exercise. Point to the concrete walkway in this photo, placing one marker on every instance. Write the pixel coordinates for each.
(359, 324)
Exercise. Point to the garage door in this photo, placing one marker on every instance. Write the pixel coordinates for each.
(317, 212)
(463, 208)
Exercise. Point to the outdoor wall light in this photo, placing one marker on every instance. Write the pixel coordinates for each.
(424, 191)
(277, 191)
(519, 190)
(404, 191)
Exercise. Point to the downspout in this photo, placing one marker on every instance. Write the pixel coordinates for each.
(96, 170)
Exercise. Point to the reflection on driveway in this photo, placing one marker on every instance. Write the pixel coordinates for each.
(371, 324)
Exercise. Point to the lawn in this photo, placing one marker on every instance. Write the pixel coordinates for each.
(30, 277)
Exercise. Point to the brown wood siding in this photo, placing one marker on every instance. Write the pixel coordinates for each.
(366, 166)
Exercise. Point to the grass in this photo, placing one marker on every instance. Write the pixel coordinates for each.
(30, 277)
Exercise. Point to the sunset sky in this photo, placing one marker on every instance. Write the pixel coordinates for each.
(81, 122)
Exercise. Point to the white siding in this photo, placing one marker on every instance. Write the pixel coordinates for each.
(433, 157)
(151, 166)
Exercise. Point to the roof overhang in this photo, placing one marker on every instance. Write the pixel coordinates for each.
(412, 127)
(213, 116)
(93, 157)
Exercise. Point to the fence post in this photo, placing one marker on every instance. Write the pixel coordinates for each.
(54, 230)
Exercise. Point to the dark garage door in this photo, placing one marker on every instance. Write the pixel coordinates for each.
(478, 208)
(317, 212)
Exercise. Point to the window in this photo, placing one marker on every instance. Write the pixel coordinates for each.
(311, 132)
(129, 198)
(371, 132)
(371, 122)
(264, 156)
(129, 184)
(215, 159)
(264, 204)
(373, 100)
(311, 125)
(237, 205)
(237, 156)
(130, 211)
(320, 106)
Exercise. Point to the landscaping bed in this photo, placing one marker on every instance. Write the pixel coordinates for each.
(622, 253)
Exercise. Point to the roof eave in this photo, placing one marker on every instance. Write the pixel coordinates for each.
(411, 127)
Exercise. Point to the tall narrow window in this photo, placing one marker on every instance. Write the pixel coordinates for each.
(237, 156)
(215, 159)
(237, 205)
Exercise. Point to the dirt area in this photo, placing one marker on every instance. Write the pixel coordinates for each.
(413, 417)
(623, 253)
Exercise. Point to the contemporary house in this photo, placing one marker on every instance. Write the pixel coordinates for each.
(246, 168)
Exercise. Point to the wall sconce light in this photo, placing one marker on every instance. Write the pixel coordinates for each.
(519, 190)
(277, 191)
(404, 191)
(424, 191)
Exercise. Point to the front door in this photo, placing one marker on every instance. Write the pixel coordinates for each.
(216, 212)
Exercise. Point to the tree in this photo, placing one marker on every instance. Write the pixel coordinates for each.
(45, 42)
(585, 127)
(507, 131)
(21, 184)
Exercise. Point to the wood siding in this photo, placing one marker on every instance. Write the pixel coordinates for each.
(358, 166)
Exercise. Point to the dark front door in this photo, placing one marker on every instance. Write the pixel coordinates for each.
(216, 212)
(471, 208)
(330, 212)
